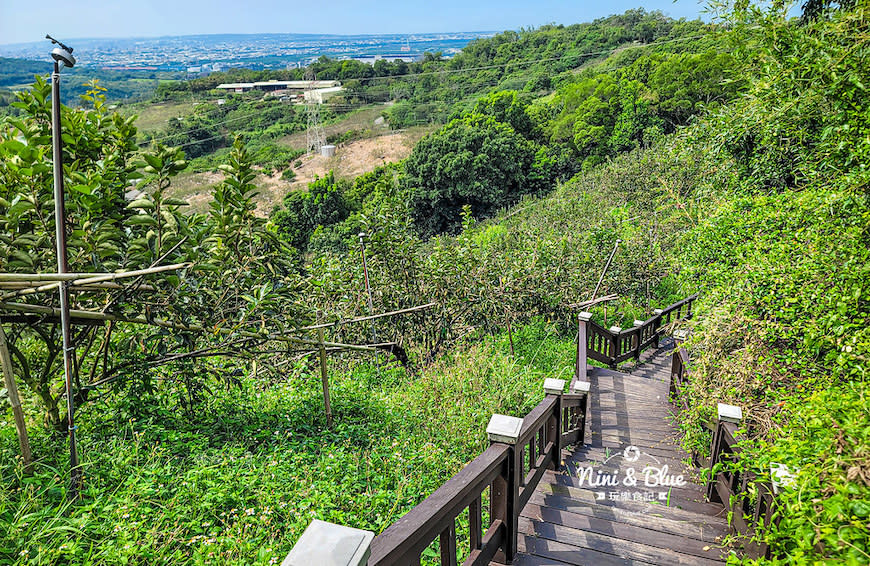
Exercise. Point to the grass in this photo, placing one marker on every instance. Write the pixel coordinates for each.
(237, 481)
(155, 116)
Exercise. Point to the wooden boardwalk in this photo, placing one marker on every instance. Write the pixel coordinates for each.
(573, 519)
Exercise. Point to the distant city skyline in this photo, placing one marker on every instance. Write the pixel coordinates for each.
(23, 22)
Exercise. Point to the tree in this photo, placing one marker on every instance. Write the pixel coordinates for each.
(475, 161)
(323, 204)
(242, 285)
(507, 106)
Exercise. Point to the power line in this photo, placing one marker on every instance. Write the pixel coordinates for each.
(469, 69)
(343, 106)
(530, 61)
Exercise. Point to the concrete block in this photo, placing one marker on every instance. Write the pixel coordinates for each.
(585, 316)
(326, 544)
(554, 386)
(503, 428)
(729, 413)
(582, 386)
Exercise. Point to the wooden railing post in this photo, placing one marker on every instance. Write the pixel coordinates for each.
(583, 388)
(554, 422)
(614, 345)
(582, 340)
(725, 413)
(327, 543)
(657, 325)
(677, 368)
(676, 372)
(504, 492)
(637, 338)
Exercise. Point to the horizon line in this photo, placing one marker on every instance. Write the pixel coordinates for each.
(308, 34)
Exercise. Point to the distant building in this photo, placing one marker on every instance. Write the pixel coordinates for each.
(370, 59)
(317, 95)
(272, 86)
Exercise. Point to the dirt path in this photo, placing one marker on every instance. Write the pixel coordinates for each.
(351, 160)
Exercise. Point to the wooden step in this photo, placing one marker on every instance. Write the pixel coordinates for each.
(552, 486)
(698, 528)
(617, 544)
(565, 522)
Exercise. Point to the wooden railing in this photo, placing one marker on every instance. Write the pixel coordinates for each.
(614, 345)
(749, 497)
(753, 509)
(510, 469)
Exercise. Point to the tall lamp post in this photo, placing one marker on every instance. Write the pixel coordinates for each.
(63, 57)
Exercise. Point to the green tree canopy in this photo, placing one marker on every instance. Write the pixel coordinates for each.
(476, 161)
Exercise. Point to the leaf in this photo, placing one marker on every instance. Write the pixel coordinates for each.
(20, 208)
(22, 257)
(142, 203)
(84, 189)
(154, 161)
(141, 220)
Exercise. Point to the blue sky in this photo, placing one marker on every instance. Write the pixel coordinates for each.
(25, 21)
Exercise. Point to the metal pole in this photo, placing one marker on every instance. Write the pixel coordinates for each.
(362, 247)
(63, 267)
(581, 323)
(606, 266)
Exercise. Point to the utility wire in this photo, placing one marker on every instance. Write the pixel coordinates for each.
(463, 70)
(349, 106)
(530, 61)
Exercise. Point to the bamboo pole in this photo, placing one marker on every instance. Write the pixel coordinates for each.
(365, 318)
(46, 276)
(324, 376)
(73, 276)
(90, 280)
(14, 286)
(15, 401)
(592, 302)
(89, 315)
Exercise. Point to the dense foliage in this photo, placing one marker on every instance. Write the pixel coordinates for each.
(474, 161)
(214, 124)
(733, 165)
(778, 246)
(238, 480)
(232, 251)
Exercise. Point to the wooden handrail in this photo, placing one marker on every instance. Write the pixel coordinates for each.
(612, 348)
(511, 471)
(727, 484)
(731, 487)
(405, 540)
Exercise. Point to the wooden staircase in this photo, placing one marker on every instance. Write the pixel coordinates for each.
(569, 521)
(594, 475)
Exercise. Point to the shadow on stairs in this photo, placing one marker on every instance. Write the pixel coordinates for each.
(630, 494)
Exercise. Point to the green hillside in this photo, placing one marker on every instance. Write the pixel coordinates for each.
(729, 159)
